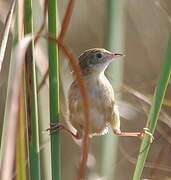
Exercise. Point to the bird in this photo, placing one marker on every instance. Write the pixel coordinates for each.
(103, 108)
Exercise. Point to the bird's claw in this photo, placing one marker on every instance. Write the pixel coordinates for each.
(147, 131)
(54, 127)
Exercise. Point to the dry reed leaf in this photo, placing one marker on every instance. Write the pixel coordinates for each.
(6, 33)
(10, 131)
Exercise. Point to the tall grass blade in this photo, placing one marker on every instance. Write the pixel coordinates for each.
(54, 88)
(13, 91)
(21, 139)
(2, 54)
(31, 97)
(154, 111)
(21, 159)
(115, 42)
(6, 33)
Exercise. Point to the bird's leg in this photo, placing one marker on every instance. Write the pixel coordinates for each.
(56, 127)
(140, 134)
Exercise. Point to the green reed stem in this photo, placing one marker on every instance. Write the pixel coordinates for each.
(115, 42)
(154, 111)
(31, 97)
(54, 89)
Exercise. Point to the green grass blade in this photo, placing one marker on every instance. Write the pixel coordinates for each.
(154, 111)
(31, 97)
(54, 88)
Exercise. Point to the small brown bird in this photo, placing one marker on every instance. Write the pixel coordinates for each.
(103, 108)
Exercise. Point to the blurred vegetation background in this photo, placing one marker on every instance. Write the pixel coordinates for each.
(139, 29)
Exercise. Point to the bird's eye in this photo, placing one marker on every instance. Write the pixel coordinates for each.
(99, 55)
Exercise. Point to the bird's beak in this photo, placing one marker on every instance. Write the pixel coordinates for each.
(112, 56)
(118, 54)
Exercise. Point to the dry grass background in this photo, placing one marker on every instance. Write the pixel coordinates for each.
(147, 30)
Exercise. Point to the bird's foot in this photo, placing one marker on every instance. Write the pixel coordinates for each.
(147, 132)
(57, 126)
(140, 134)
(54, 127)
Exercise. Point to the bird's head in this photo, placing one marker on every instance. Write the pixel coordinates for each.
(96, 60)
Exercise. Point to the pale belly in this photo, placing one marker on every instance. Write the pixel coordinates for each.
(101, 107)
(98, 122)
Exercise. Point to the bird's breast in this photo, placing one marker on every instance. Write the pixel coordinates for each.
(101, 98)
